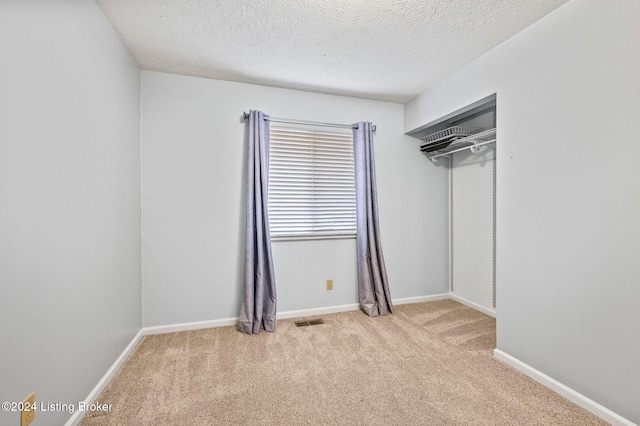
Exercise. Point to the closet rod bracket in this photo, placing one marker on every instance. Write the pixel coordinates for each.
(474, 148)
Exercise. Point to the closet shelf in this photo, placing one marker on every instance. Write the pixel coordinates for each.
(443, 138)
(455, 139)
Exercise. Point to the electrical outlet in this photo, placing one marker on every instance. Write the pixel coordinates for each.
(329, 284)
(28, 412)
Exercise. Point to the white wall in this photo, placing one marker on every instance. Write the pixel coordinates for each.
(69, 201)
(567, 199)
(472, 219)
(193, 150)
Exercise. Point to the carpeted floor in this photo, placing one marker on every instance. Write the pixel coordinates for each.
(427, 364)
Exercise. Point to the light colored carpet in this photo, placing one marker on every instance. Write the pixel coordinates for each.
(427, 364)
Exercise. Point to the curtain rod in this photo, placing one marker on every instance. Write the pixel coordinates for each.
(308, 123)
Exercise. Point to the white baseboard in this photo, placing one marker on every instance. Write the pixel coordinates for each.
(172, 328)
(487, 311)
(186, 326)
(565, 391)
(421, 299)
(224, 322)
(95, 393)
(318, 311)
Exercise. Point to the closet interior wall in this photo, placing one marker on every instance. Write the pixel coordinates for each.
(472, 199)
(472, 217)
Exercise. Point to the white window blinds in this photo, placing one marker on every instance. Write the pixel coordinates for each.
(311, 183)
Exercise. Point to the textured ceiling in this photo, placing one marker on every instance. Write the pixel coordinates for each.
(377, 49)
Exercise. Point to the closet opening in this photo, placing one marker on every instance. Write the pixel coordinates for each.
(465, 142)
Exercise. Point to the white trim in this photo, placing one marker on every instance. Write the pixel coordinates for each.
(421, 299)
(473, 305)
(172, 328)
(224, 322)
(95, 393)
(562, 390)
(318, 311)
(186, 326)
(450, 222)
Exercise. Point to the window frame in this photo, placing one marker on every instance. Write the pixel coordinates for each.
(311, 183)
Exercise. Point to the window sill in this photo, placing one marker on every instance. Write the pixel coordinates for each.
(312, 237)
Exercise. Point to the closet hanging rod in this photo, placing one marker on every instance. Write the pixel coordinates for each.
(308, 123)
(434, 158)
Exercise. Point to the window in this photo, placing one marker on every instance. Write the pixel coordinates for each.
(311, 183)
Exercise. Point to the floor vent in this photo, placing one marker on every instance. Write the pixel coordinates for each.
(309, 322)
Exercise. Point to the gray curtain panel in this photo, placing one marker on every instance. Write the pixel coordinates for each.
(259, 302)
(373, 284)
